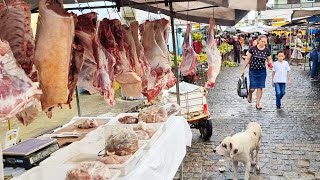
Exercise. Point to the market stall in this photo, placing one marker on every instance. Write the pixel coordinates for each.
(223, 13)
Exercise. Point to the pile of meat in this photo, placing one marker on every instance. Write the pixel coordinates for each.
(89, 170)
(128, 120)
(143, 131)
(120, 145)
(122, 142)
(213, 57)
(87, 124)
(156, 114)
(19, 96)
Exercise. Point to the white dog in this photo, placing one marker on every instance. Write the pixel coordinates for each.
(239, 147)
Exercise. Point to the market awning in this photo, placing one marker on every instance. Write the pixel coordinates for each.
(304, 13)
(225, 12)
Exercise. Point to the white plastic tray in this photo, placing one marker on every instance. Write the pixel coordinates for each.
(124, 168)
(74, 119)
(58, 172)
(158, 126)
(115, 119)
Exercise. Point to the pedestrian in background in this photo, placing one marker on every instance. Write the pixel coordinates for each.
(280, 77)
(315, 60)
(256, 58)
(296, 54)
(236, 48)
(287, 45)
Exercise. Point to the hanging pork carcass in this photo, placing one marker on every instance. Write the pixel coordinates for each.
(15, 27)
(213, 56)
(189, 56)
(54, 38)
(18, 95)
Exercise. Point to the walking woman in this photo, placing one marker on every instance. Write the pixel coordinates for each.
(296, 54)
(256, 58)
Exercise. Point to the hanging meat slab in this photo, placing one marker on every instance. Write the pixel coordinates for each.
(189, 56)
(87, 37)
(87, 76)
(107, 62)
(213, 57)
(159, 63)
(54, 37)
(161, 35)
(19, 97)
(131, 50)
(75, 67)
(105, 77)
(17, 19)
(145, 66)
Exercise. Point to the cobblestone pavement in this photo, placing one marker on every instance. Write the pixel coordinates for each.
(291, 137)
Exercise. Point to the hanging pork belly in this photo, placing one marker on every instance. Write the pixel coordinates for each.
(54, 37)
(19, 96)
(15, 27)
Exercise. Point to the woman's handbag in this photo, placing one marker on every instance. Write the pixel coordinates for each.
(243, 87)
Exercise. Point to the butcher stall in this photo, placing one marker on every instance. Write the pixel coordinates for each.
(78, 50)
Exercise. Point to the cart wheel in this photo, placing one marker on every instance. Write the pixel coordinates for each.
(206, 130)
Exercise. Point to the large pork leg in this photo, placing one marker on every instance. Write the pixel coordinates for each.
(161, 29)
(189, 56)
(19, 97)
(15, 27)
(213, 56)
(159, 63)
(54, 37)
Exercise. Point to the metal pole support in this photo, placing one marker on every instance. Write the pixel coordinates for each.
(174, 50)
(78, 102)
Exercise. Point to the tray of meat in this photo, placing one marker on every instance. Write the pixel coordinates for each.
(77, 129)
(124, 164)
(62, 171)
(131, 118)
(146, 132)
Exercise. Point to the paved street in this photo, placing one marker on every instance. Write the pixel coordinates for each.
(291, 137)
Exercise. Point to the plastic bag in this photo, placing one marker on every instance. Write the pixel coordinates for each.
(242, 88)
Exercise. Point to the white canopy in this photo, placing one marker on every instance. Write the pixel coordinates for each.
(225, 12)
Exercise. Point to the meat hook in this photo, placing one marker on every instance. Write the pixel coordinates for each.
(7, 9)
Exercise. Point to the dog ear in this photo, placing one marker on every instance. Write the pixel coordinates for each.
(230, 145)
(235, 151)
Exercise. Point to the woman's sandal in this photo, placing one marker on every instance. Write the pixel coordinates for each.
(259, 108)
(249, 99)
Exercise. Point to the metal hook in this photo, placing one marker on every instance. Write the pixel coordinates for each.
(107, 8)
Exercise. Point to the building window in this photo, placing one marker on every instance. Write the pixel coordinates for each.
(294, 1)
